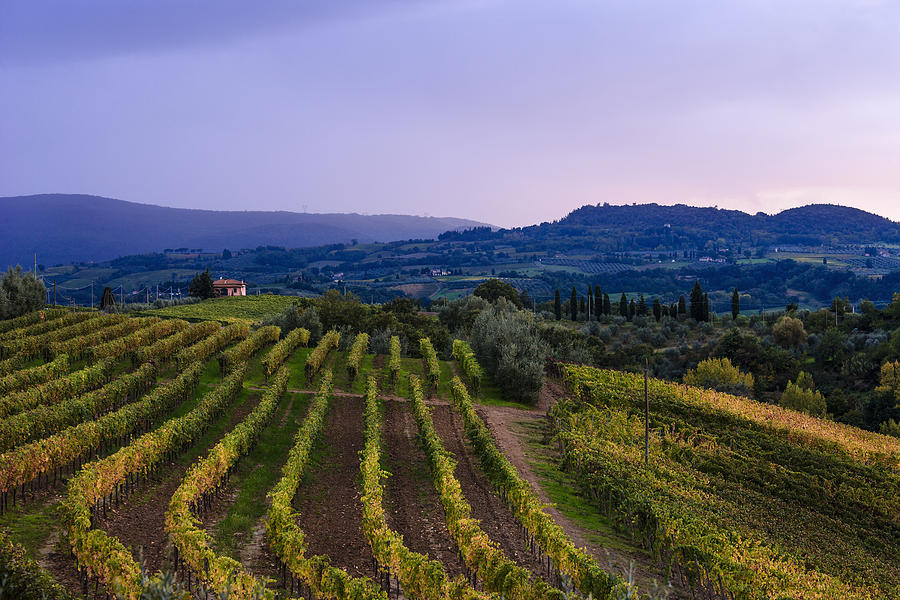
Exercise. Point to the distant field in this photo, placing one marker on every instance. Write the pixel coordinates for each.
(240, 309)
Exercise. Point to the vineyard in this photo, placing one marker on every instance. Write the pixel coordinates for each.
(742, 499)
(239, 309)
(148, 458)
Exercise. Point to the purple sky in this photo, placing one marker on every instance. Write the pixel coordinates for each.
(506, 112)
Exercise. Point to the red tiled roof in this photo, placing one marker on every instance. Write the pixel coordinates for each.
(227, 282)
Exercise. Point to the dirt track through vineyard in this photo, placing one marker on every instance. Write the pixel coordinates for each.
(496, 519)
(328, 500)
(412, 503)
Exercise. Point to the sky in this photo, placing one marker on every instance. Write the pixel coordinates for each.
(506, 112)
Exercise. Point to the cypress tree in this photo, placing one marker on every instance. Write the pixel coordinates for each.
(642, 306)
(705, 314)
(623, 305)
(735, 304)
(657, 310)
(607, 306)
(557, 306)
(598, 301)
(582, 306)
(697, 302)
(573, 304)
(682, 306)
(631, 309)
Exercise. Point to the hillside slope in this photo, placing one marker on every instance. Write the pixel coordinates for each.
(742, 497)
(69, 227)
(654, 227)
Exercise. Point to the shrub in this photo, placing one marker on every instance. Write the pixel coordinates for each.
(719, 374)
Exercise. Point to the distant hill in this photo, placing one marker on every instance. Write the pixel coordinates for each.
(651, 225)
(63, 228)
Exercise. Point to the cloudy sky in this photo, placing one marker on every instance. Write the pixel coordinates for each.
(509, 112)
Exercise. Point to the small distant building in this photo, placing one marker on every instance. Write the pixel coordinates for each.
(229, 287)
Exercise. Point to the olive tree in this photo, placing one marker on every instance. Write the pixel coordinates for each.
(508, 346)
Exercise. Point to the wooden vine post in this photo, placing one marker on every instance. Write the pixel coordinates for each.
(646, 414)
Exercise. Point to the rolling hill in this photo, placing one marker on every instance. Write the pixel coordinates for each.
(68, 227)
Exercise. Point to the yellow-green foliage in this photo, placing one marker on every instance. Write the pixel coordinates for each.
(890, 378)
(746, 498)
(719, 374)
(798, 397)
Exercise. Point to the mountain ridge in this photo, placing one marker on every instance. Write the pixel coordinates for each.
(78, 227)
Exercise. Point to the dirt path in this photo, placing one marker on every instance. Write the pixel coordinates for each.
(496, 519)
(139, 522)
(412, 503)
(328, 500)
(505, 425)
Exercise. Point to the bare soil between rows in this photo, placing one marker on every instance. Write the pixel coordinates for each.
(139, 521)
(412, 503)
(328, 500)
(496, 519)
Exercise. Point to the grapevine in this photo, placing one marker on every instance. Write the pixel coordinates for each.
(420, 577)
(14, 382)
(45, 420)
(317, 357)
(394, 362)
(432, 366)
(286, 538)
(239, 353)
(463, 354)
(201, 482)
(104, 556)
(283, 349)
(86, 379)
(355, 356)
(480, 554)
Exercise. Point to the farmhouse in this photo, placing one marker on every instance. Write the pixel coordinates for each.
(229, 287)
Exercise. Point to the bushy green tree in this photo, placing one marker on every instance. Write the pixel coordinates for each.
(459, 314)
(891, 427)
(719, 374)
(494, 289)
(509, 348)
(309, 320)
(797, 396)
(202, 285)
(20, 292)
(889, 379)
(789, 332)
